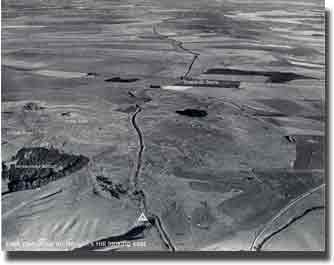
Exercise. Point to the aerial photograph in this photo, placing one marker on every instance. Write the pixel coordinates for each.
(163, 125)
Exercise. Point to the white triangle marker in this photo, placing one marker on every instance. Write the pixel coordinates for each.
(142, 218)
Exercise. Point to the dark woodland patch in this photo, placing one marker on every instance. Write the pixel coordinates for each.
(34, 167)
(192, 112)
(273, 77)
(121, 80)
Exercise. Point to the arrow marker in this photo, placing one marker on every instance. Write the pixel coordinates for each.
(142, 218)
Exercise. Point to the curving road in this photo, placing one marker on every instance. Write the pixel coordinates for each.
(179, 45)
(134, 181)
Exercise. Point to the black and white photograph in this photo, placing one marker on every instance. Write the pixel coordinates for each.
(164, 126)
